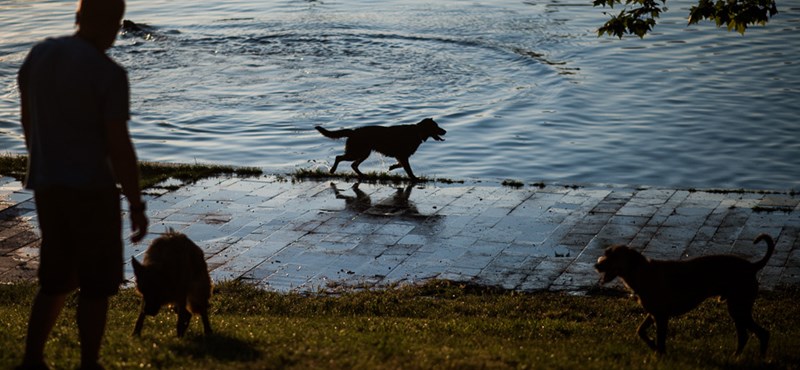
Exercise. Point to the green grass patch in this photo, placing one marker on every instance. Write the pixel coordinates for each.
(436, 325)
(152, 173)
(791, 192)
(12, 165)
(369, 177)
(768, 209)
(513, 183)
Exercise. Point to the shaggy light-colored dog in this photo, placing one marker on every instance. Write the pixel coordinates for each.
(174, 273)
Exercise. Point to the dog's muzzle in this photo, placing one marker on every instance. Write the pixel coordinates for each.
(437, 137)
(600, 266)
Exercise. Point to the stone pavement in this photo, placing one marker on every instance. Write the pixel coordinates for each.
(309, 236)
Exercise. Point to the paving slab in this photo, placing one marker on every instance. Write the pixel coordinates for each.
(308, 236)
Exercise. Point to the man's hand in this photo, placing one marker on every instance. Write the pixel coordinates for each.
(139, 224)
(126, 169)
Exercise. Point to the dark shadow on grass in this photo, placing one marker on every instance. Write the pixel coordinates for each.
(220, 347)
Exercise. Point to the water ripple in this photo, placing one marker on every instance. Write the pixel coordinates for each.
(526, 90)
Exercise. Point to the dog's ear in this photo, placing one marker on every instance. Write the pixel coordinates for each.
(138, 269)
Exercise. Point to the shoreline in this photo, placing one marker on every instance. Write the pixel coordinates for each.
(162, 174)
(285, 234)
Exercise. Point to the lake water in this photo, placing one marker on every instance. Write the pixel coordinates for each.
(526, 89)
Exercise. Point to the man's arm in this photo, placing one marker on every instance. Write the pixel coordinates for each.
(23, 104)
(126, 169)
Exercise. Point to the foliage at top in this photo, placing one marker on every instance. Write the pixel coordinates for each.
(638, 17)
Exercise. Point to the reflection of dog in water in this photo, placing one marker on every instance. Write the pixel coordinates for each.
(398, 204)
(358, 203)
(669, 288)
(399, 142)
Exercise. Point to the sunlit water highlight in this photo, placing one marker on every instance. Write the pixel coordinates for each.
(526, 90)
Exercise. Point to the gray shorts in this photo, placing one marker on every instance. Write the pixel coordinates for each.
(81, 241)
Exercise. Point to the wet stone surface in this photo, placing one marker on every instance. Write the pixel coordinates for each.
(311, 236)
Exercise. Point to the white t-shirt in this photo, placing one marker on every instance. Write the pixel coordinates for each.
(72, 91)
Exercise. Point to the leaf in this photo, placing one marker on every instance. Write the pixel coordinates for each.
(639, 16)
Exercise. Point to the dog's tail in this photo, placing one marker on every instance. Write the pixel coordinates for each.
(338, 134)
(770, 248)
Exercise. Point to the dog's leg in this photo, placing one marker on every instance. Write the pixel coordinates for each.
(356, 163)
(763, 338)
(395, 166)
(642, 331)
(406, 166)
(742, 314)
(741, 337)
(198, 305)
(661, 334)
(206, 324)
(354, 152)
(137, 330)
(184, 318)
(338, 159)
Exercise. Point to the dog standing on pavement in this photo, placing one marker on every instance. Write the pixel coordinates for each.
(399, 142)
(670, 288)
(174, 272)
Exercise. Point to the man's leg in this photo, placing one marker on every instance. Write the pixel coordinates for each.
(91, 314)
(44, 314)
(100, 269)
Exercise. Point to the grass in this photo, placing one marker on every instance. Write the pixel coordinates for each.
(512, 183)
(436, 325)
(13, 165)
(768, 209)
(152, 174)
(369, 177)
(791, 192)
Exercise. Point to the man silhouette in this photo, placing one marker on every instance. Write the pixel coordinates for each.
(74, 110)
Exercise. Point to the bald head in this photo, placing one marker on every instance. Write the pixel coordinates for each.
(99, 21)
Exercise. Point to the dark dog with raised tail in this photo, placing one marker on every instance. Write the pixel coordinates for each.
(399, 142)
(670, 288)
(174, 272)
